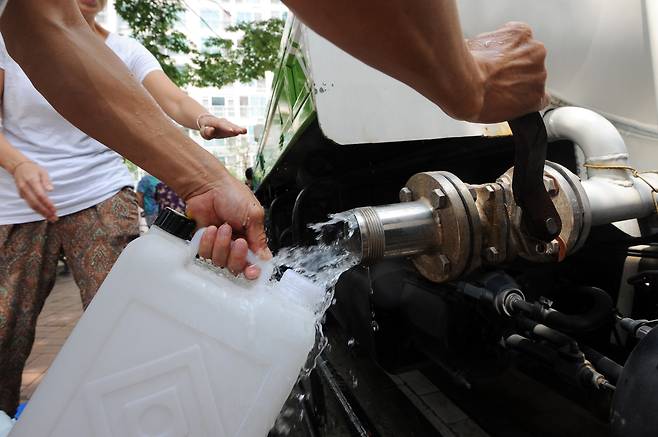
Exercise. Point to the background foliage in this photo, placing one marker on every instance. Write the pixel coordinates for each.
(220, 62)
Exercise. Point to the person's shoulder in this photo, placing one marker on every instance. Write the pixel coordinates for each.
(127, 42)
(124, 44)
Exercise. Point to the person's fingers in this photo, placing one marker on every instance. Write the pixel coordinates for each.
(237, 259)
(39, 191)
(224, 128)
(45, 180)
(255, 233)
(32, 200)
(252, 272)
(222, 245)
(206, 243)
(238, 130)
(209, 132)
(518, 26)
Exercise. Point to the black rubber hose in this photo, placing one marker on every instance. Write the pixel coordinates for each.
(600, 312)
(610, 369)
(547, 333)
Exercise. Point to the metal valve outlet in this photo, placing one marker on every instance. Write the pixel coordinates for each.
(450, 228)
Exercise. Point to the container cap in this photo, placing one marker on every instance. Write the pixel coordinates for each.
(175, 223)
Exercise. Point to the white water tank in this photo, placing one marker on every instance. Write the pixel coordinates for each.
(602, 55)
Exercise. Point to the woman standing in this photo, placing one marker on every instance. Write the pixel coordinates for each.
(82, 188)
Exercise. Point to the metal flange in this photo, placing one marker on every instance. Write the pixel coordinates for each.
(452, 257)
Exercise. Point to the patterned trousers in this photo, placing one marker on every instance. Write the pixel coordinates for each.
(91, 239)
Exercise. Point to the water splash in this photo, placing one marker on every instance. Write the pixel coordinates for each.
(322, 263)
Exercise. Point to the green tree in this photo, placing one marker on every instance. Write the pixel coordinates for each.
(219, 62)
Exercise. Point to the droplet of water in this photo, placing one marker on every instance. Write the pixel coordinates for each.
(353, 380)
(282, 428)
(351, 342)
(374, 325)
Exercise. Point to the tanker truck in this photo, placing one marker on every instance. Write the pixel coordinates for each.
(509, 275)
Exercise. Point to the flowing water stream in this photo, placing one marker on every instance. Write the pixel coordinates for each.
(323, 263)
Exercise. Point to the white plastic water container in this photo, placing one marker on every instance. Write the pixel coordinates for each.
(171, 348)
(6, 424)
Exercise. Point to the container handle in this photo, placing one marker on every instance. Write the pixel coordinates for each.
(266, 267)
(195, 243)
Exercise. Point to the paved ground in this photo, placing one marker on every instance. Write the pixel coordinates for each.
(59, 316)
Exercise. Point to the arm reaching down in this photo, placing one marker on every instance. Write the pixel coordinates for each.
(32, 181)
(95, 91)
(495, 77)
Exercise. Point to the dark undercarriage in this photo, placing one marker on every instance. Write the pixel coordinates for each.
(409, 357)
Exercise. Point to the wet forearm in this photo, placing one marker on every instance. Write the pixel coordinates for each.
(419, 42)
(95, 91)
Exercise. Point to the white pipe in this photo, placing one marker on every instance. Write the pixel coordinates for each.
(599, 140)
(611, 202)
(614, 194)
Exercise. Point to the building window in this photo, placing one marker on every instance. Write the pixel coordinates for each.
(244, 106)
(243, 17)
(218, 101)
(211, 17)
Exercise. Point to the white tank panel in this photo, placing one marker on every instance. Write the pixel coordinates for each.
(603, 55)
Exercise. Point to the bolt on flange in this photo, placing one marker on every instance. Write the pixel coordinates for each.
(438, 199)
(406, 195)
(444, 265)
(492, 255)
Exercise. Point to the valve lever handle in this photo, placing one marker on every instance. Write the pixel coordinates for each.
(540, 219)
